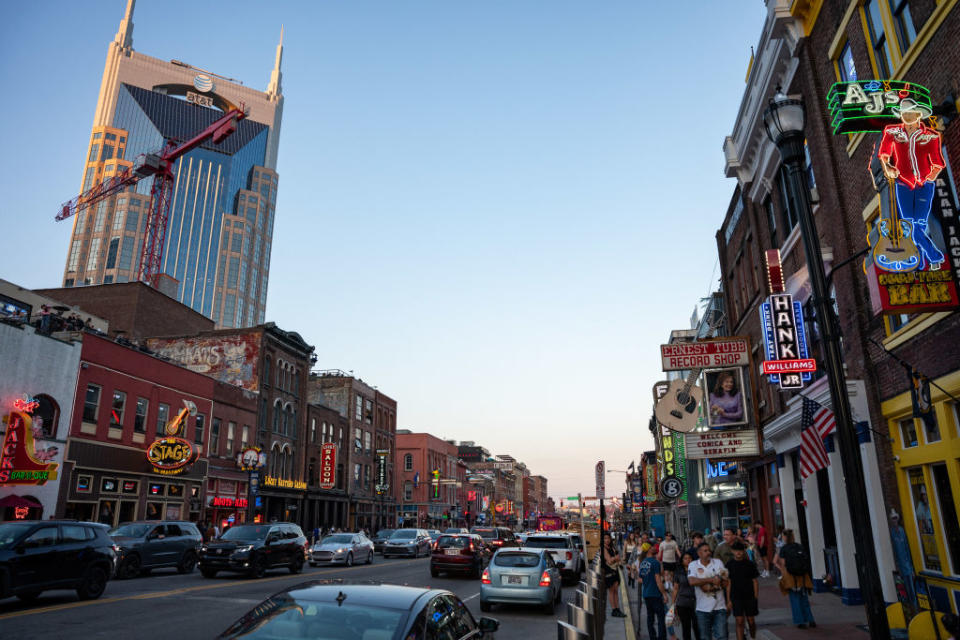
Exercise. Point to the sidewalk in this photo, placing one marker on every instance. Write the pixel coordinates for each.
(834, 619)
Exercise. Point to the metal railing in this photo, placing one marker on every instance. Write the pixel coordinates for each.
(586, 615)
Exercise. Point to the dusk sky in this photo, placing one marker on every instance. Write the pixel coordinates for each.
(494, 211)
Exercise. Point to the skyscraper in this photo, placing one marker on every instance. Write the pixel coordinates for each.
(217, 252)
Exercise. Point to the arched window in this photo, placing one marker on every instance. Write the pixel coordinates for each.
(47, 415)
(275, 459)
(280, 373)
(277, 410)
(293, 422)
(408, 462)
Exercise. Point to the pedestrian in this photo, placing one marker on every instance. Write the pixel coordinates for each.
(654, 594)
(778, 545)
(795, 580)
(669, 552)
(44, 318)
(685, 598)
(708, 576)
(611, 575)
(743, 589)
(724, 550)
(696, 539)
(951, 623)
(761, 532)
(630, 550)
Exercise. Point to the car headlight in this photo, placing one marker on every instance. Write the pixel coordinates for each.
(203, 549)
(341, 550)
(243, 548)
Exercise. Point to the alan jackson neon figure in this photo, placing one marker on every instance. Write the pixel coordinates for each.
(911, 154)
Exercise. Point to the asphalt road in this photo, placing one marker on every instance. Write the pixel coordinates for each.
(169, 606)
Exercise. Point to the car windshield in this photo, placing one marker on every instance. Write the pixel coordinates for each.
(131, 530)
(453, 542)
(247, 532)
(516, 559)
(404, 534)
(385, 533)
(546, 543)
(283, 616)
(485, 533)
(10, 531)
(454, 531)
(340, 537)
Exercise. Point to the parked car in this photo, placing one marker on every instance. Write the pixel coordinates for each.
(496, 537)
(464, 553)
(455, 530)
(381, 538)
(255, 548)
(42, 555)
(434, 534)
(375, 611)
(345, 548)
(521, 576)
(564, 551)
(147, 545)
(407, 542)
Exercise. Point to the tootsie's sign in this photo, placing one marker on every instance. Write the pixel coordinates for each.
(170, 455)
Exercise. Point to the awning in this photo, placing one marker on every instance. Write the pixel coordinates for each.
(18, 501)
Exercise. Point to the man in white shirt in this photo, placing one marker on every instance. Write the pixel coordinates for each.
(708, 576)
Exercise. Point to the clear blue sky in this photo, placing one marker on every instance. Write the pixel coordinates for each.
(493, 211)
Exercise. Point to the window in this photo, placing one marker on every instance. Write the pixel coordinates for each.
(366, 476)
(356, 473)
(126, 253)
(357, 440)
(846, 68)
(895, 323)
(231, 427)
(266, 371)
(408, 462)
(908, 433)
(140, 419)
(117, 407)
(948, 514)
(94, 153)
(45, 537)
(214, 436)
(163, 414)
(198, 430)
(245, 436)
(408, 491)
(924, 520)
(903, 21)
(771, 221)
(931, 429)
(359, 412)
(313, 429)
(276, 417)
(790, 218)
(91, 403)
(93, 255)
(46, 416)
(366, 442)
(878, 40)
(369, 407)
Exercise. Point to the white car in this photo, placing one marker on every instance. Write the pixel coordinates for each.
(565, 553)
(345, 548)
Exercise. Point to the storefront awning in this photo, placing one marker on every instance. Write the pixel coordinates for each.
(19, 501)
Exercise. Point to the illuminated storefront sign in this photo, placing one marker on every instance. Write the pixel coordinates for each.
(17, 462)
(743, 443)
(239, 503)
(282, 483)
(328, 466)
(728, 352)
(383, 482)
(170, 455)
(251, 459)
(721, 472)
(870, 105)
(786, 343)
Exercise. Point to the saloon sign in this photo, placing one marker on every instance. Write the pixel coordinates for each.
(328, 466)
(170, 455)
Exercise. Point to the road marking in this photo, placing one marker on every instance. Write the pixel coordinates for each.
(472, 597)
(173, 592)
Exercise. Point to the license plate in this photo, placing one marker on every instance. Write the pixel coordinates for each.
(452, 552)
(514, 580)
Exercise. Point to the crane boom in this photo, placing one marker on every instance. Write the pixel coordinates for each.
(160, 166)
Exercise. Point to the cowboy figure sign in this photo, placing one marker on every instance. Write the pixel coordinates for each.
(911, 154)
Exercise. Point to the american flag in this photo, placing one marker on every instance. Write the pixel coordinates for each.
(816, 423)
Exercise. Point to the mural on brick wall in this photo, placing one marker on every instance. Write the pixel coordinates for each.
(230, 359)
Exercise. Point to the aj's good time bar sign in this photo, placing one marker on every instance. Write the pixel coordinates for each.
(870, 105)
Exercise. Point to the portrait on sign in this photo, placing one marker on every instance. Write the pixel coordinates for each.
(726, 400)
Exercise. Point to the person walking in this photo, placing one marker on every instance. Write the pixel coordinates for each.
(743, 589)
(761, 532)
(685, 598)
(696, 539)
(795, 580)
(611, 575)
(777, 546)
(654, 594)
(724, 550)
(630, 550)
(708, 576)
(669, 552)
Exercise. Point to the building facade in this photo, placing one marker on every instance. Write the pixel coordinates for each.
(219, 232)
(430, 478)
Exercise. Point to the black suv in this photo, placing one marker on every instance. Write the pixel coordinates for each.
(147, 545)
(254, 548)
(496, 537)
(40, 555)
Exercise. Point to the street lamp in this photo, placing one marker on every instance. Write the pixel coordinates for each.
(784, 120)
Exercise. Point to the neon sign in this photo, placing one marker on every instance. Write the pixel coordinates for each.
(870, 105)
(784, 336)
(251, 459)
(17, 464)
(240, 503)
(21, 513)
(170, 455)
(281, 483)
(26, 404)
(328, 466)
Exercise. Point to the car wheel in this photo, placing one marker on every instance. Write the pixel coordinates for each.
(258, 568)
(208, 573)
(93, 584)
(349, 561)
(187, 563)
(131, 567)
(297, 565)
(29, 596)
(485, 606)
(370, 557)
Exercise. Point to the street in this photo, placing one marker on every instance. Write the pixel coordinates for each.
(165, 604)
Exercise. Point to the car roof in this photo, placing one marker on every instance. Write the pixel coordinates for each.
(361, 593)
(535, 550)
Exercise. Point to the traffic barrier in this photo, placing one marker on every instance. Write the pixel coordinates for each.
(569, 632)
(582, 620)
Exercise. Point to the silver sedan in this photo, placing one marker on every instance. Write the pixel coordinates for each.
(342, 548)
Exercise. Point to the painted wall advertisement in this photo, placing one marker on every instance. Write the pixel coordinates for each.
(229, 359)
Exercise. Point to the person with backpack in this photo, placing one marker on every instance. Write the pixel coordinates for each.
(795, 581)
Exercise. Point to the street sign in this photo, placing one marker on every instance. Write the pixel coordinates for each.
(254, 484)
(671, 487)
(572, 498)
(601, 479)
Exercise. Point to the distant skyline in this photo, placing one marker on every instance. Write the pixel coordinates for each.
(494, 212)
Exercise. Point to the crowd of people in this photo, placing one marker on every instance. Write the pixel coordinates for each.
(690, 589)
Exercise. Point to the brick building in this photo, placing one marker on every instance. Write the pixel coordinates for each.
(326, 507)
(430, 477)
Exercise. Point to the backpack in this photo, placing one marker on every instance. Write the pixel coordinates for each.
(796, 559)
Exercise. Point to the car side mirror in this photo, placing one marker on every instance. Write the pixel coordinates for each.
(488, 625)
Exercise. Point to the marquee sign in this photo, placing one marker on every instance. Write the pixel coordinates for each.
(328, 466)
(742, 443)
(17, 462)
(170, 455)
(728, 352)
(870, 105)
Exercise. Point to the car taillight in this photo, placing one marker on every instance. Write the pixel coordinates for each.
(545, 579)
(436, 545)
(485, 578)
(496, 543)
(569, 555)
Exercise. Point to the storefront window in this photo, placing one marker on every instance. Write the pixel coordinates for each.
(107, 512)
(931, 429)
(908, 433)
(91, 403)
(924, 518)
(948, 514)
(154, 511)
(117, 407)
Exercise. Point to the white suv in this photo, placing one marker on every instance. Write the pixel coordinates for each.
(563, 550)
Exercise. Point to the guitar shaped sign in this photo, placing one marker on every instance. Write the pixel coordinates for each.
(677, 409)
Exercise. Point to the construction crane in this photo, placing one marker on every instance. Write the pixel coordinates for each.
(160, 166)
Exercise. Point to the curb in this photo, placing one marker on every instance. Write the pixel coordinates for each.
(627, 608)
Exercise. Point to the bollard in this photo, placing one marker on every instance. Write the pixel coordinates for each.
(569, 632)
(581, 619)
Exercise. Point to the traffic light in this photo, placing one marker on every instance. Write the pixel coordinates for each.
(436, 483)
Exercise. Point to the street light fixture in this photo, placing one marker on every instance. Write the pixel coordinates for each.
(785, 121)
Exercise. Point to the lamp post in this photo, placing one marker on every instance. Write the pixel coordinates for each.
(784, 121)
